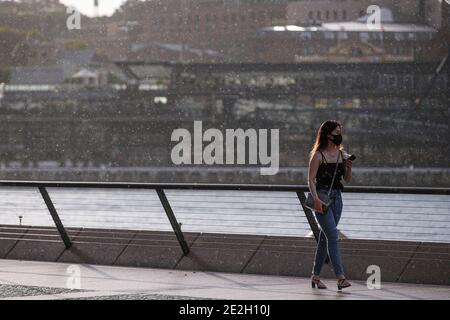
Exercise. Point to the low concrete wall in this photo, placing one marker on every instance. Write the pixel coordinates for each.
(410, 262)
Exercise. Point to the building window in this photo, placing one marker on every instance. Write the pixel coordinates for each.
(327, 15)
(342, 35)
(329, 35)
(319, 15)
(335, 15)
(308, 51)
(399, 36)
(364, 36)
(344, 15)
(377, 35)
(310, 15)
(305, 35)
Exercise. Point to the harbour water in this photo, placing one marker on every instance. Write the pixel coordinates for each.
(365, 216)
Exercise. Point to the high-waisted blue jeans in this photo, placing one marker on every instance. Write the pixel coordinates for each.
(329, 238)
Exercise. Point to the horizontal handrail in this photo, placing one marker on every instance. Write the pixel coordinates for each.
(228, 187)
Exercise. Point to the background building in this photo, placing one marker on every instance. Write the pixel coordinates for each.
(346, 42)
(305, 12)
(189, 30)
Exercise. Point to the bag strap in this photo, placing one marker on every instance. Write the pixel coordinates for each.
(324, 160)
(335, 171)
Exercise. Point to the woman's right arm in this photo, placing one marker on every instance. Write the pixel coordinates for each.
(312, 173)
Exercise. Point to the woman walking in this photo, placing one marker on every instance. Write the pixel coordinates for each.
(326, 154)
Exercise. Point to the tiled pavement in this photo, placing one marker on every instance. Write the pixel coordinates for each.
(49, 281)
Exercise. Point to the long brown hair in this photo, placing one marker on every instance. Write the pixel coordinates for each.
(322, 136)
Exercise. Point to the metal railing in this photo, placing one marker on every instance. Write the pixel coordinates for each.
(248, 209)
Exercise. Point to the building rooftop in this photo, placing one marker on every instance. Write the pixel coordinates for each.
(387, 23)
(42, 75)
(354, 26)
(175, 47)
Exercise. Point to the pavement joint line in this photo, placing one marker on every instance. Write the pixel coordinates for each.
(405, 267)
(72, 241)
(125, 248)
(253, 254)
(15, 243)
(190, 248)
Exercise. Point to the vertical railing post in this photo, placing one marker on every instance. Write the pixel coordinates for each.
(51, 208)
(173, 221)
(311, 219)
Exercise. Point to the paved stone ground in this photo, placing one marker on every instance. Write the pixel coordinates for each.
(138, 297)
(44, 293)
(9, 291)
(24, 280)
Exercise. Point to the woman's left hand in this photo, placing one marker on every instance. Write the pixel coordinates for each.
(348, 164)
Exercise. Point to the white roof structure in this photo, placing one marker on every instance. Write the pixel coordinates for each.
(85, 73)
(355, 26)
(387, 24)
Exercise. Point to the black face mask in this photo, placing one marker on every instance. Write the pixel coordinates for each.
(337, 139)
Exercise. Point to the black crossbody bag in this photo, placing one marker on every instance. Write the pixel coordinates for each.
(323, 196)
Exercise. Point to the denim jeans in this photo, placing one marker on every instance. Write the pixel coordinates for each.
(329, 239)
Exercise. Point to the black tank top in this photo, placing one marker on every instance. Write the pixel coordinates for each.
(325, 174)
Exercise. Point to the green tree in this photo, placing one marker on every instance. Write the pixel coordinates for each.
(16, 50)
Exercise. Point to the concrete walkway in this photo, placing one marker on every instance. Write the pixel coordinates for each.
(39, 280)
